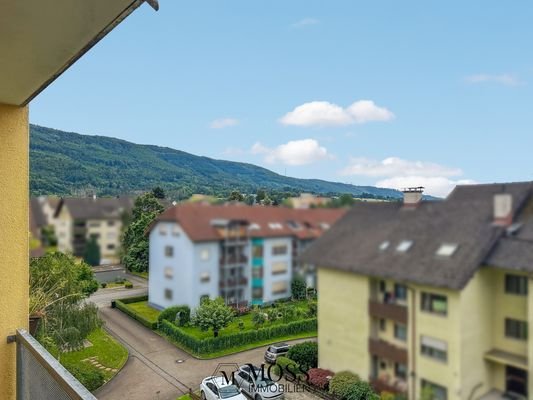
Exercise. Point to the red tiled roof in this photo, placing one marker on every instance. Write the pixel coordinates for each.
(197, 220)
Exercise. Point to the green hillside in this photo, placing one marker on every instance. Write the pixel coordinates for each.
(66, 163)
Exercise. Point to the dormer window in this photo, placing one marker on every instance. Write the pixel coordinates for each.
(384, 245)
(446, 249)
(404, 246)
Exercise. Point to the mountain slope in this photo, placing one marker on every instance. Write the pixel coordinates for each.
(64, 163)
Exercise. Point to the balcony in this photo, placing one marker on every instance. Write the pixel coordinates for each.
(233, 282)
(41, 376)
(384, 349)
(233, 259)
(392, 311)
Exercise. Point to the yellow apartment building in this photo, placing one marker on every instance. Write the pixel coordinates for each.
(76, 220)
(38, 41)
(432, 294)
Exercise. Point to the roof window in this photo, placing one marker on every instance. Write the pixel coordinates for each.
(384, 245)
(446, 249)
(404, 246)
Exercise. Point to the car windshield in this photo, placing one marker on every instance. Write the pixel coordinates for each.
(228, 391)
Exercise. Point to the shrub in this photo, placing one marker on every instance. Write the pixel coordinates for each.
(212, 344)
(281, 366)
(304, 354)
(320, 378)
(170, 314)
(128, 285)
(360, 391)
(258, 318)
(387, 396)
(135, 299)
(104, 285)
(89, 377)
(241, 325)
(340, 383)
(312, 309)
(298, 289)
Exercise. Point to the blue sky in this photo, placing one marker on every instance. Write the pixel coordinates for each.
(384, 92)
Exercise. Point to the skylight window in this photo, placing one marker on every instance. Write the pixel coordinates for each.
(446, 249)
(404, 246)
(254, 227)
(384, 245)
(275, 225)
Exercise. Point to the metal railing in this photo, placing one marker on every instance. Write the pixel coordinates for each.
(41, 376)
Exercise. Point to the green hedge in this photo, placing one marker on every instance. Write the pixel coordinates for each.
(135, 299)
(122, 305)
(214, 344)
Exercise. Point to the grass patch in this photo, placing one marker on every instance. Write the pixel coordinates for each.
(186, 396)
(145, 310)
(116, 284)
(108, 351)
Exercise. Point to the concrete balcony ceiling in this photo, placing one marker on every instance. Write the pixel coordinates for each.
(40, 39)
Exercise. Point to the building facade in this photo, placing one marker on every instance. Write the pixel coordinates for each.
(77, 220)
(244, 254)
(432, 296)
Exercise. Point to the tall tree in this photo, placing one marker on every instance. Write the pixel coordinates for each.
(135, 243)
(92, 252)
(235, 195)
(158, 192)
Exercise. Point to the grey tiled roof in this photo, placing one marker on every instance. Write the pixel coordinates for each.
(465, 218)
(99, 208)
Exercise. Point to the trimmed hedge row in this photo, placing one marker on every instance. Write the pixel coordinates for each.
(122, 305)
(214, 344)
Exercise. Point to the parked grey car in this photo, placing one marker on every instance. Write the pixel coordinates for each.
(274, 351)
(260, 388)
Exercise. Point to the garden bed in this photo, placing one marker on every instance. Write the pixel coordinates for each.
(138, 309)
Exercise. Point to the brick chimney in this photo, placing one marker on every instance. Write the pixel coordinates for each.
(412, 196)
(503, 209)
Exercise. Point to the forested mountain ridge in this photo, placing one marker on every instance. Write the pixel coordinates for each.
(67, 163)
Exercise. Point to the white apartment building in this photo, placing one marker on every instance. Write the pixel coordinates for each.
(245, 254)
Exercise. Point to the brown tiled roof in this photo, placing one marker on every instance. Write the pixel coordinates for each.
(465, 218)
(197, 220)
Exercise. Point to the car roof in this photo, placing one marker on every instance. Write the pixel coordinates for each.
(217, 380)
(278, 345)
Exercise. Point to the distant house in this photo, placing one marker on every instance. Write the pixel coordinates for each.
(308, 200)
(432, 295)
(76, 220)
(244, 254)
(37, 223)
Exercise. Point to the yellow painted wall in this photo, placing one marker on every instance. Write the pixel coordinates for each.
(506, 305)
(343, 322)
(476, 335)
(14, 176)
(444, 328)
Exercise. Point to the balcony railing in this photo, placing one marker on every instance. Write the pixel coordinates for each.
(41, 376)
(233, 259)
(386, 350)
(394, 312)
(233, 282)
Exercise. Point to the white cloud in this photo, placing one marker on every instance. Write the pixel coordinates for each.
(305, 22)
(294, 152)
(398, 173)
(436, 185)
(502, 79)
(323, 113)
(223, 123)
(395, 166)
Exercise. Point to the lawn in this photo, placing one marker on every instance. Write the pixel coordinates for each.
(139, 274)
(105, 350)
(145, 310)
(234, 326)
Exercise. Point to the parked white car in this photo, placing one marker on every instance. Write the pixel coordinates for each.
(216, 388)
(256, 386)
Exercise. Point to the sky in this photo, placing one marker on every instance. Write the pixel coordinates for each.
(384, 93)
